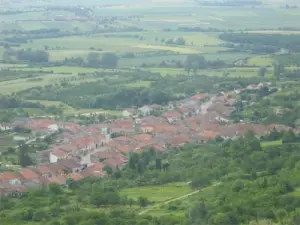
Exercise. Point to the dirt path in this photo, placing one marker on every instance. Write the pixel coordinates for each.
(175, 199)
(168, 201)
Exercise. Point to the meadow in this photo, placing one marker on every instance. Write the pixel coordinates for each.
(158, 193)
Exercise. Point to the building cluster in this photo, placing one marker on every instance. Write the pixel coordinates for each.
(16, 183)
(86, 150)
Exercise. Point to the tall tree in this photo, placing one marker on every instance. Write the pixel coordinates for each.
(109, 60)
(262, 71)
(93, 59)
(24, 158)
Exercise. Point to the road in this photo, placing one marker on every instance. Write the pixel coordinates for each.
(174, 199)
(207, 104)
(86, 159)
(167, 202)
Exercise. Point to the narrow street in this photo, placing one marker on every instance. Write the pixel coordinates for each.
(86, 159)
(206, 105)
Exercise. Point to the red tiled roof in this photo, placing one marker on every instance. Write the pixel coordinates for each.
(43, 170)
(74, 176)
(173, 115)
(58, 152)
(123, 139)
(125, 148)
(58, 180)
(143, 137)
(29, 174)
(40, 123)
(7, 188)
(124, 123)
(7, 176)
(210, 134)
(96, 170)
(199, 97)
(163, 127)
(180, 139)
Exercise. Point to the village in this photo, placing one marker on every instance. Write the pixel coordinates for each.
(83, 151)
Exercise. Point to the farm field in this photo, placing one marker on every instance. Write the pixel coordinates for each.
(260, 61)
(265, 144)
(158, 193)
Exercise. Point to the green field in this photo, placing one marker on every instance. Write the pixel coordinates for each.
(260, 61)
(271, 143)
(158, 193)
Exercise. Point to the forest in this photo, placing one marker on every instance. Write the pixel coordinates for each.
(262, 43)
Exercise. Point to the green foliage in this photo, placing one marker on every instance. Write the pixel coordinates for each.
(262, 43)
(24, 159)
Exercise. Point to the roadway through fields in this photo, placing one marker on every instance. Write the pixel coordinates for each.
(173, 200)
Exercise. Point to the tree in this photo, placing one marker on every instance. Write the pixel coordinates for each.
(198, 213)
(24, 158)
(194, 62)
(288, 137)
(143, 201)
(108, 169)
(158, 164)
(278, 69)
(262, 71)
(109, 60)
(93, 59)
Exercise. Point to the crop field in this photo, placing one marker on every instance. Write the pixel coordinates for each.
(266, 144)
(260, 61)
(231, 72)
(8, 87)
(80, 46)
(158, 193)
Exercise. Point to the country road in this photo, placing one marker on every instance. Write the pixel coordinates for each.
(174, 199)
(168, 201)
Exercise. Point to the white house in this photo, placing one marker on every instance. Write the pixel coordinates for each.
(57, 155)
(5, 126)
(128, 112)
(53, 128)
(145, 110)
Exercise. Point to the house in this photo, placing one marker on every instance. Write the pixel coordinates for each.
(71, 166)
(238, 91)
(145, 128)
(12, 190)
(129, 112)
(143, 138)
(210, 134)
(31, 179)
(57, 155)
(187, 112)
(6, 126)
(57, 169)
(252, 87)
(123, 140)
(145, 110)
(200, 97)
(172, 116)
(61, 180)
(97, 170)
(29, 174)
(180, 140)
(44, 171)
(11, 178)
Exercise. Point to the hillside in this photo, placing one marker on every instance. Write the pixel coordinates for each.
(235, 182)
